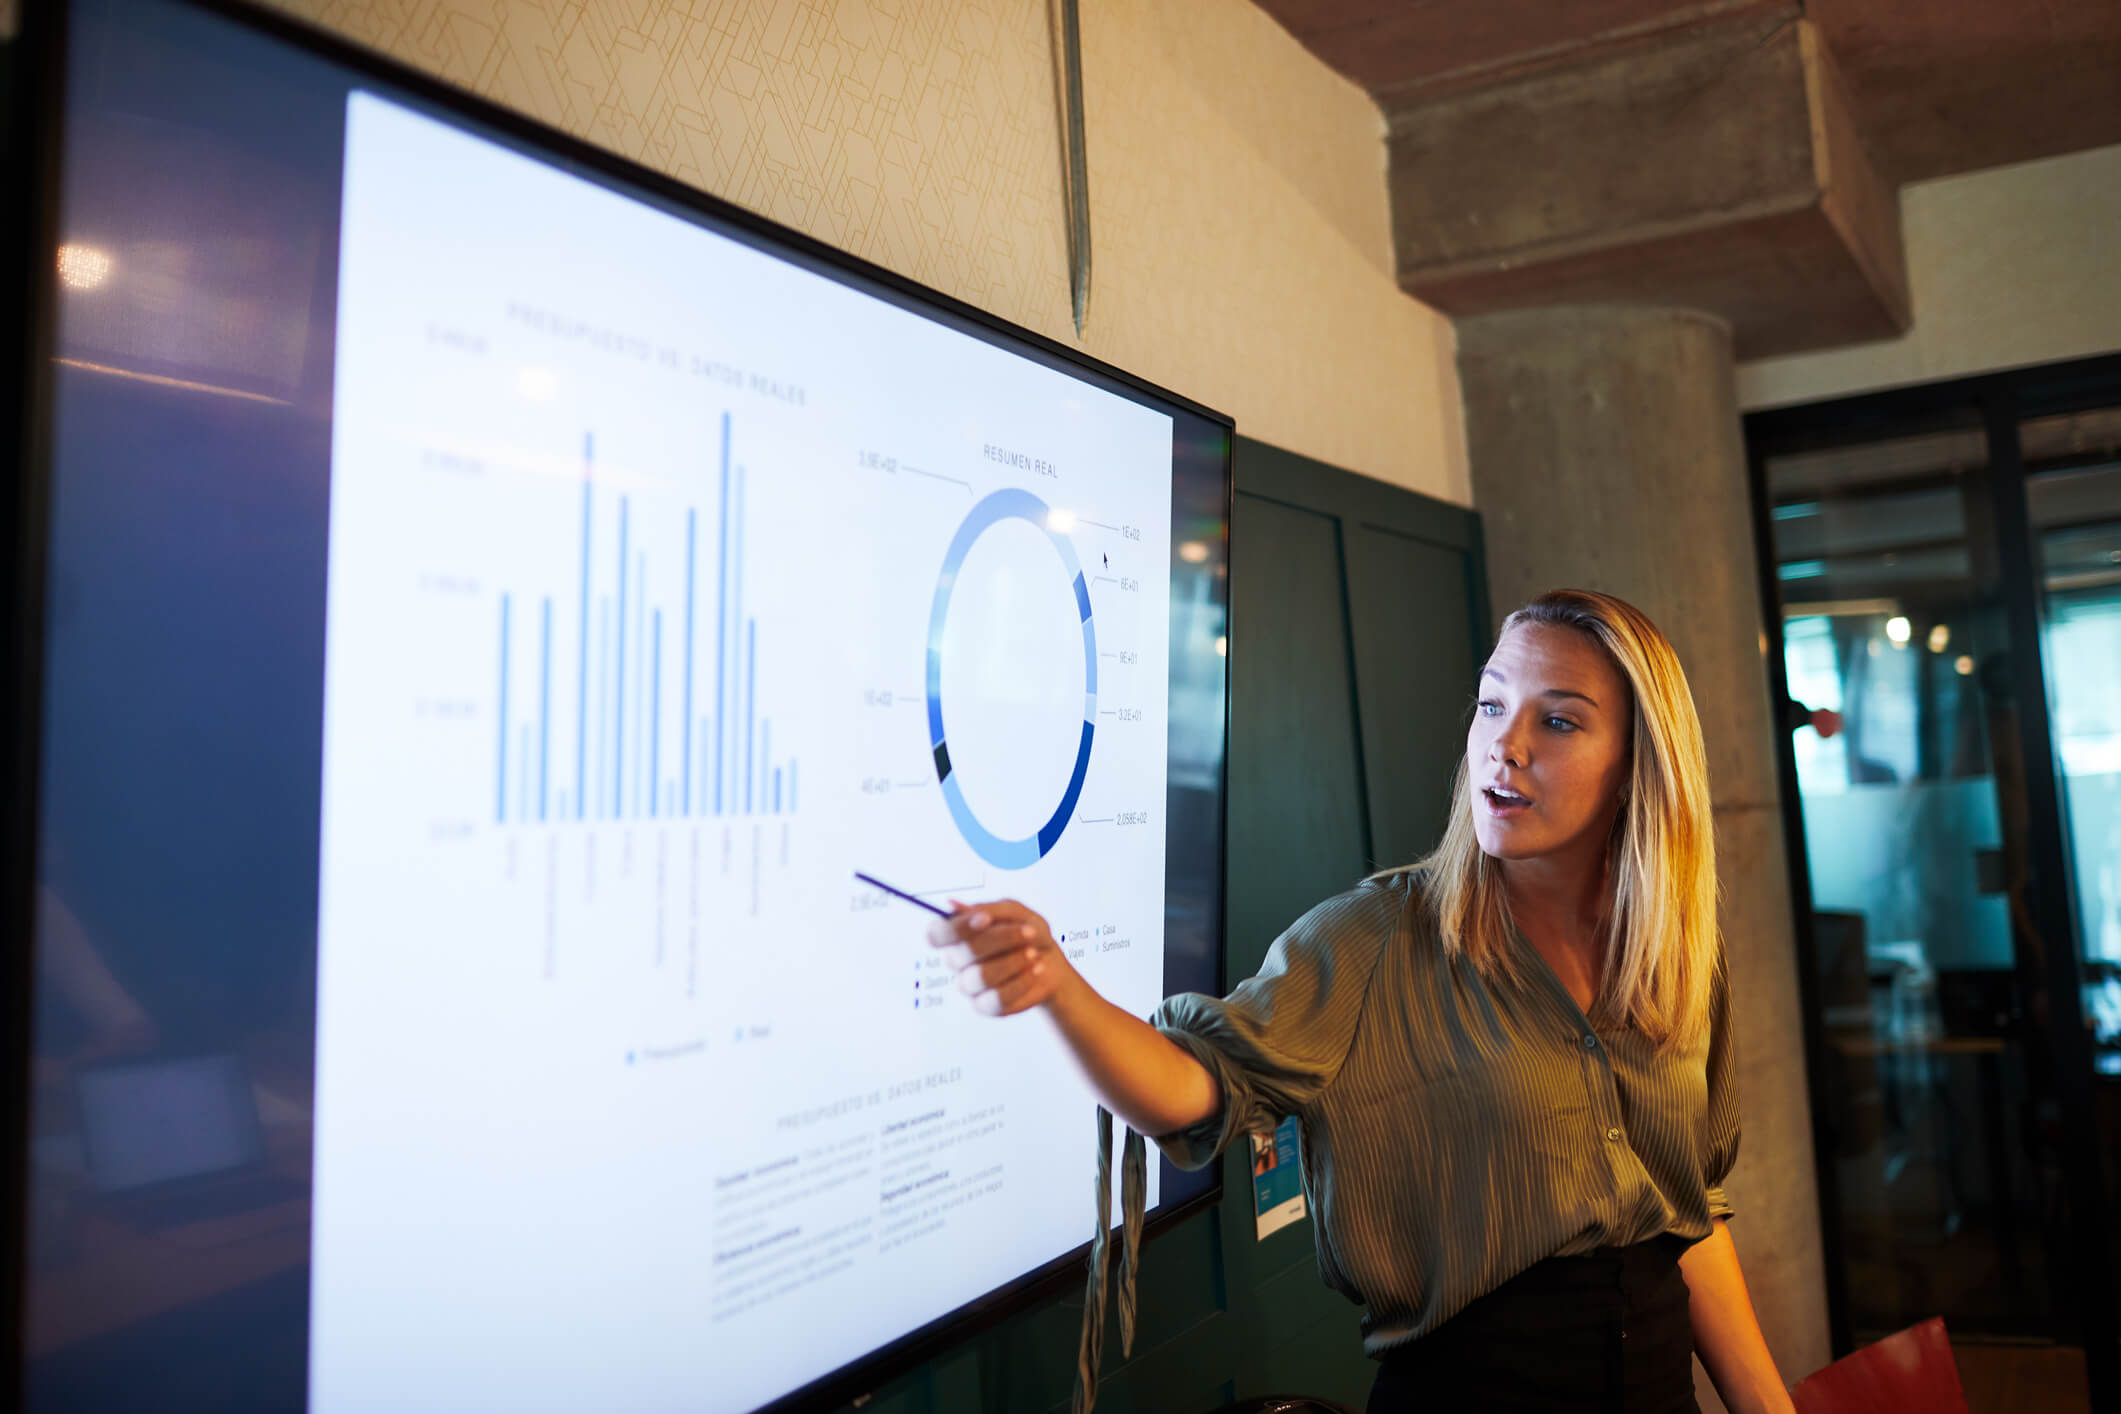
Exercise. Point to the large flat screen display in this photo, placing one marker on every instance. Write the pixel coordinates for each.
(497, 604)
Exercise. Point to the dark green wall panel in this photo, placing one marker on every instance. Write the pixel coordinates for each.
(1296, 792)
(1414, 640)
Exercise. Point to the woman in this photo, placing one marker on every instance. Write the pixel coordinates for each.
(1511, 1060)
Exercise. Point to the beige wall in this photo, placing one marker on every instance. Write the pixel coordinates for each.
(2012, 266)
(1240, 235)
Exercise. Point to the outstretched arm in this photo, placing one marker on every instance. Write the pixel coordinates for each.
(1007, 962)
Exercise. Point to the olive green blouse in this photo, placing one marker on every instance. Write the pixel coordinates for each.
(1454, 1131)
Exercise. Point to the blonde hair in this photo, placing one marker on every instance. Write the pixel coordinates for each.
(1662, 943)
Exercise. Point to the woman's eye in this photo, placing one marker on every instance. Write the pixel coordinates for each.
(1490, 709)
(1561, 724)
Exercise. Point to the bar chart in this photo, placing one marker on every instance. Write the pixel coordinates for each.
(662, 734)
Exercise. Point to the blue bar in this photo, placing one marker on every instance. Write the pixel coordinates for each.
(640, 671)
(603, 695)
(618, 745)
(751, 700)
(776, 790)
(685, 767)
(740, 743)
(544, 702)
(500, 804)
(655, 722)
(721, 631)
(581, 693)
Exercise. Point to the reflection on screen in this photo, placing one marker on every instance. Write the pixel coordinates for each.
(160, 1121)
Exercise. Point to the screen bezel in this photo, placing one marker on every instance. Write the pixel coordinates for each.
(37, 154)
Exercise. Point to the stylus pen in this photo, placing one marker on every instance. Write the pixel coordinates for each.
(901, 893)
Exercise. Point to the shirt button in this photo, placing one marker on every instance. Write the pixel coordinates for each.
(1590, 1043)
(1613, 1134)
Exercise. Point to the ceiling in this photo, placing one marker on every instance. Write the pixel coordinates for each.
(1403, 47)
(1936, 86)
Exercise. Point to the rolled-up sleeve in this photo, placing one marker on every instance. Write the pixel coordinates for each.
(1275, 1043)
(1719, 1120)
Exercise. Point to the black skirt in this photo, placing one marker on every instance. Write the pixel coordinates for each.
(1607, 1331)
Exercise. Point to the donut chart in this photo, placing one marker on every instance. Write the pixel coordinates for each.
(1007, 504)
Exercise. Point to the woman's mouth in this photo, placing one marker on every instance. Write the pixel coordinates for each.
(1502, 801)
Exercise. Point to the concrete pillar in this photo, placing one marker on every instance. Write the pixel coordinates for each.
(1606, 454)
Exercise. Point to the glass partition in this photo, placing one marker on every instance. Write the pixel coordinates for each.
(1893, 658)
(2073, 494)
(1942, 566)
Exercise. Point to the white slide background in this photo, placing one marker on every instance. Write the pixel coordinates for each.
(629, 1098)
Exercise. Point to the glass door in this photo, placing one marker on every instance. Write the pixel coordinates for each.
(1942, 570)
(1898, 719)
(2073, 496)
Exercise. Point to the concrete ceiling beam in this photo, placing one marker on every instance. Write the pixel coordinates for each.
(1716, 168)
